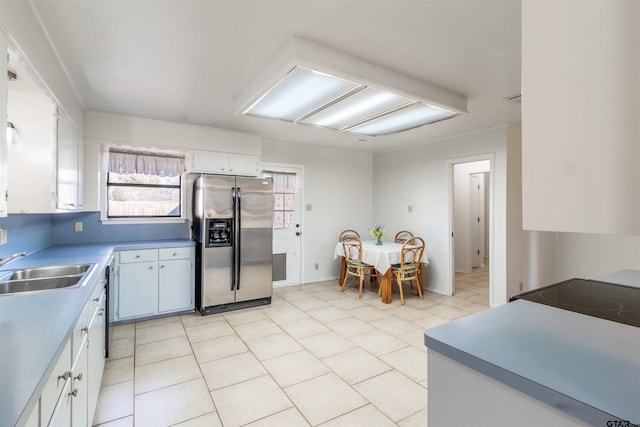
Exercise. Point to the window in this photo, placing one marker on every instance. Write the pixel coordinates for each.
(143, 184)
(284, 188)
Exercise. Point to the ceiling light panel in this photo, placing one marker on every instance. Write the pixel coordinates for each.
(364, 104)
(299, 93)
(402, 119)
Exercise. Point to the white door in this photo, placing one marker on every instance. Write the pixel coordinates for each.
(474, 220)
(287, 227)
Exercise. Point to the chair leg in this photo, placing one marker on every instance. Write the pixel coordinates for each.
(401, 293)
(361, 284)
(344, 282)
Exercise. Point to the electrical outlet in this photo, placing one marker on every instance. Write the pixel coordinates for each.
(317, 266)
(78, 226)
(3, 236)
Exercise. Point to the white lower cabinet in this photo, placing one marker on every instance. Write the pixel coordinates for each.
(69, 398)
(153, 282)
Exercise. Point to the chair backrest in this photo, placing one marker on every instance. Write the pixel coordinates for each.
(403, 236)
(412, 251)
(349, 234)
(352, 250)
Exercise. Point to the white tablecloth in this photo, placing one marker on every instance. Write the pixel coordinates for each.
(381, 257)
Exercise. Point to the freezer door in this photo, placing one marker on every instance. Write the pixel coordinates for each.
(216, 273)
(217, 199)
(255, 238)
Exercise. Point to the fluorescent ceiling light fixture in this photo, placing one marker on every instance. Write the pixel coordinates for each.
(313, 85)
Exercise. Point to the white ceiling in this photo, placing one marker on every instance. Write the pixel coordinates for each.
(185, 60)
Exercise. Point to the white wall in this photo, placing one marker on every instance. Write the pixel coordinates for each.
(339, 187)
(419, 176)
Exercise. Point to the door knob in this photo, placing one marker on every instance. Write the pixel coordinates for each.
(297, 233)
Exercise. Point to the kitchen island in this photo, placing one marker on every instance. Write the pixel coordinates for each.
(34, 326)
(530, 364)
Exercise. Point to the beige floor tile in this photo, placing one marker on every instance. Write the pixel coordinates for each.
(159, 333)
(415, 338)
(121, 348)
(158, 322)
(273, 346)
(259, 329)
(408, 312)
(409, 361)
(194, 319)
(430, 321)
(324, 398)
(394, 394)
(289, 417)
(284, 313)
(394, 325)
(368, 313)
(356, 365)
(166, 373)
(117, 371)
(379, 342)
(448, 312)
(116, 401)
(249, 401)
(367, 416)
(306, 304)
(209, 330)
(162, 350)
(294, 368)
(476, 307)
(346, 302)
(304, 328)
(208, 420)
(350, 327)
(241, 317)
(326, 344)
(217, 348)
(118, 332)
(328, 314)
(121, 422)
(172, 405)
(419, 419)
(458, 302)
(231, 370)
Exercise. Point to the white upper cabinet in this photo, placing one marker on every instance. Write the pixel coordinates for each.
(69, 167)
(224, 163)
(581, 115)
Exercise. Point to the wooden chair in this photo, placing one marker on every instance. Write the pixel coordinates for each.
(348, 233)
(403, 236)
(409, 267)
(354, 265)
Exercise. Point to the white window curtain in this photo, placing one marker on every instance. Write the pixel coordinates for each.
(130, 162)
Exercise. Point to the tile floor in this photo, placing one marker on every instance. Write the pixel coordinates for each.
(314, 357)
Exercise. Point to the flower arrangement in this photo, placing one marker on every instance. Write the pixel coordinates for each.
(377, 232)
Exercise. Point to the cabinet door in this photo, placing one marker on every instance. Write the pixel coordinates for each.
(209, 162)
(96, 357)
(55, 404)
(243, 165)
(67, 164)
(79, 389)
(175, 287)
(137, 289)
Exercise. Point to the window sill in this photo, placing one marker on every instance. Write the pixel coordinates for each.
(126, 221)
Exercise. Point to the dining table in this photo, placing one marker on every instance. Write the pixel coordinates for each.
(381, 257)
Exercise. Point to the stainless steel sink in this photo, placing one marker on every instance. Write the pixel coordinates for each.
(46, 272)
(44, 278)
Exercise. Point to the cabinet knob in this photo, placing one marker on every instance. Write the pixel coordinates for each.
(174, 254)
(85, 330)
(96, 299)
(137, 256)
(101, 312)
(78, 377)
(74, 393)
(64, 376)
(151, 267)
(162, 266)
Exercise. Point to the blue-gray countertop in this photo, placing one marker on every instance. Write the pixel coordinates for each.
(34, 326)
(586, 366)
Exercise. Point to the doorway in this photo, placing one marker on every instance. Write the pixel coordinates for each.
(287, 224)
(470, 223)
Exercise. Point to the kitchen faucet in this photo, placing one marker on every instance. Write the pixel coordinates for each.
(4, 261)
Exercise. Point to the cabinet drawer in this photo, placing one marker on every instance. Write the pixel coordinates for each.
(138, 256)
(174, 253)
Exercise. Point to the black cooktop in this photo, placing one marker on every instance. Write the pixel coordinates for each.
(609, 301)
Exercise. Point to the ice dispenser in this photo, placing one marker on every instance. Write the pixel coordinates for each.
(219, 232)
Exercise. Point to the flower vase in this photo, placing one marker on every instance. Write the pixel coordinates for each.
(378, 242)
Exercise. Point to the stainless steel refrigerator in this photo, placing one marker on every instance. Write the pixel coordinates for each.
(232, 224)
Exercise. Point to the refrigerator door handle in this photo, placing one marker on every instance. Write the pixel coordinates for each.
(233, 239)
(238, 241)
